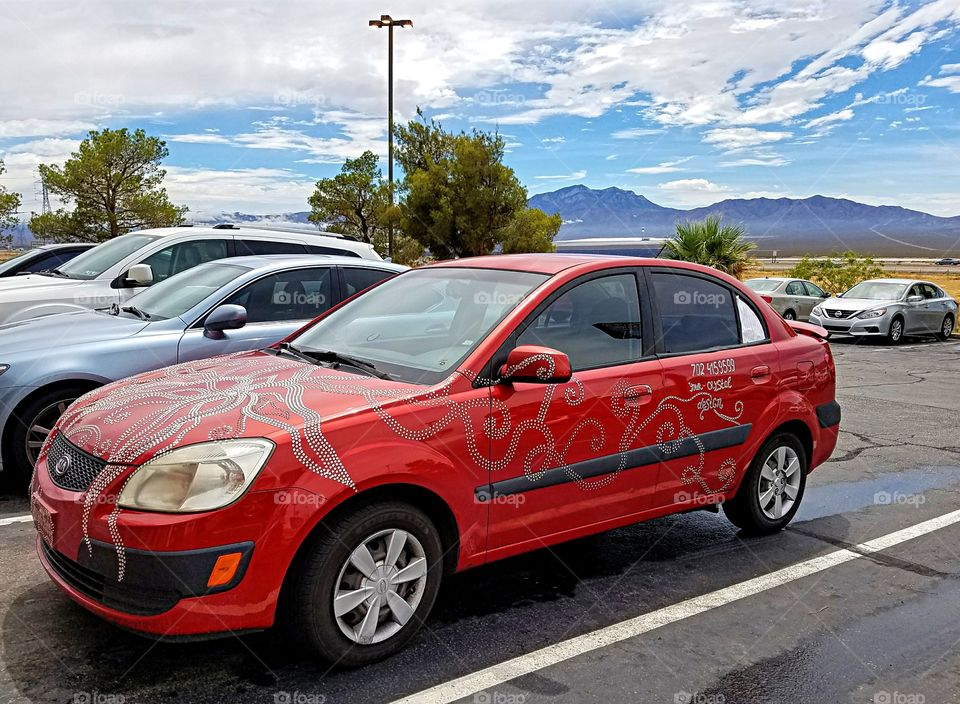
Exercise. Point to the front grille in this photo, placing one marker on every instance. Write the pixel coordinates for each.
(836, 328)
(109, 592)
(839, 314)
(70, 467)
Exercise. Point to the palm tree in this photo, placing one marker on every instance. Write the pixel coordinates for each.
(711, 243)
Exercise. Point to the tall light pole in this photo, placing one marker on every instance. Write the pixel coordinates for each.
(388, 22)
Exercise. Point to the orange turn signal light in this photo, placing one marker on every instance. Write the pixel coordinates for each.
(224, 569)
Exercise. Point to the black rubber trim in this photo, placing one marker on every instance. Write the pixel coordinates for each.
(829, 414)
(640, 457)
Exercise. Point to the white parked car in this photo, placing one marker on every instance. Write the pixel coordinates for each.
(119, 268)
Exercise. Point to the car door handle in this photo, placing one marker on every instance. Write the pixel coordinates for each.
(638, 395)
(760, 374)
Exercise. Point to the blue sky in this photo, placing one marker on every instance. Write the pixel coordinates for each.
(686, 103)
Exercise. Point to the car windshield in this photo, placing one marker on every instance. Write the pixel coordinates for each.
(14, 261)
(877, 290)
(763, 284)
(419, 326)
(178, 294)
(97, 260)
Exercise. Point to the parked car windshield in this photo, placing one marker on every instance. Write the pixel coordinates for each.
(763, 284)
(877, 290)
(178, 294)
(94, 262)
(15, 261)
(419, 326)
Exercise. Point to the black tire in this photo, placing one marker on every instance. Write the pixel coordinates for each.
(745, 510)
(310, 613)
(946, 328)
(16, 458)
(895, 333)
(789, 315)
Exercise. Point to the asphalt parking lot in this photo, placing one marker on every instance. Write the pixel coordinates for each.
(855, 602)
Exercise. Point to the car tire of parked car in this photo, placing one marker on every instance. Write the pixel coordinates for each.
(946, 328)
(386, 556)
(40, 411)
(895, 333)
(772, 488)
(789, 315)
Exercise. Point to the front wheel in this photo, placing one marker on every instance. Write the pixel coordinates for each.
(946, 328)
(772, 488)
(895, 333)
(789, 315)
(366, 584)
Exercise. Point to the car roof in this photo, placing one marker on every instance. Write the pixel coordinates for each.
(774, 278)
(273, 233)
(551, 263)
(287, 261)
(897, 281)
(64, 245)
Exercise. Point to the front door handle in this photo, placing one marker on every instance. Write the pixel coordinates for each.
(638, 395)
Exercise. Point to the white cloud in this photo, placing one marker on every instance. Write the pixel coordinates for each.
(831, 119)
(635, 133)
(34, 127)
(664, 167)
(733, 138)
(575, 176)
(692, 192)
(256, 190)
(700, 185)
(768, 160)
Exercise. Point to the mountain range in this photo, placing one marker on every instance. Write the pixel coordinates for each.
(815, 225)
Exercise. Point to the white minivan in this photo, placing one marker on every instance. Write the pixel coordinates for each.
(117, 269)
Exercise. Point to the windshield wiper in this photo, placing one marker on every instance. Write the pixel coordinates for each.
(293, 352)
(53, 272)
(143, 315)
(330, 357)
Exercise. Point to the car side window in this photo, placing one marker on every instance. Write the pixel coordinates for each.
(596, 323)
(795, 288)
(300, 294)
(268, 247)
(318, 249)
(357, 278)
(185, 255)
(930, 291)
(751, 327)
(813, 289)
(696, 314)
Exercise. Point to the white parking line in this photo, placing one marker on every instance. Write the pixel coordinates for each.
(16, 519)
(551, 655)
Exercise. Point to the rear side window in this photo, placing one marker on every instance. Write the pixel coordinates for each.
(696, 314)
(185, 255)
(596, 324)
(317, 249)
(357, 278)
(931, 291)
(268, 247)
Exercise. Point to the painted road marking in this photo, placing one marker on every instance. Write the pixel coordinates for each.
(501, 673)
(16, 519)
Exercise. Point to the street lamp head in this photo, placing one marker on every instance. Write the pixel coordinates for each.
(388, 21)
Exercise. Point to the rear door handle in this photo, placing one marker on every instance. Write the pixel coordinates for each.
(638, 395)
(760, 374)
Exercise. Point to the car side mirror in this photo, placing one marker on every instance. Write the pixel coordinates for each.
(826, 294)
(139, 275)
(914, 299)
(225, 317)
(532, 364)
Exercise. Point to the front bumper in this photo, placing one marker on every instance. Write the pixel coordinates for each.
(853, 326)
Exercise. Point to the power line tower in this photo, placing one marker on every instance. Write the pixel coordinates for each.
(43, 193)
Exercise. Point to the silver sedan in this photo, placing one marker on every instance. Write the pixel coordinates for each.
(889, 308)
(794, 299)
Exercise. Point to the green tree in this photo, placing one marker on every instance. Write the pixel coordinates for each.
(459, 199)
(9, 205)
(838, 272)
(114, 183)
(354, 202)
(712, 243)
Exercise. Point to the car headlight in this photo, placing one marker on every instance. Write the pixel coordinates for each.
(817, 310)
(875, 313)
(198, 477)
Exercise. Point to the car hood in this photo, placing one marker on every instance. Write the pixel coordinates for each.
(249, 394)
(35, 282)
(66, 329)
(852, 304)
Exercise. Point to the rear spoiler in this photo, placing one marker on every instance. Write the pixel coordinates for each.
(809, 330)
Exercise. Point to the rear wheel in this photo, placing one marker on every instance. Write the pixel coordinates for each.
(946, 328)
(366, 584)
(789, 315)
(895, 333)
(30, 424)
(772, 488)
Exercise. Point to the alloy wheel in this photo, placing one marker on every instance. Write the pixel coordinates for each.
(380, 586)
(947, 328)
(779, 483)
(41, 426)
(896, 330)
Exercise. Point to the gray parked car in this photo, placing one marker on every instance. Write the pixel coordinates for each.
(43, 258)
(794, 299)
(889, 308)
(216, 308)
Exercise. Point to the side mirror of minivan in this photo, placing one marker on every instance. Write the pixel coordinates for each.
(139, 275)
(225, 317)
(533, 364)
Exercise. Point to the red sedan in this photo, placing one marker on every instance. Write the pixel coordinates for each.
(456, 414)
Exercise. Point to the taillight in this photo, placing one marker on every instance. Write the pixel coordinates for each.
(768, 299)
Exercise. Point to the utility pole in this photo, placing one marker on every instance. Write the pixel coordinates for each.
(388, 22)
